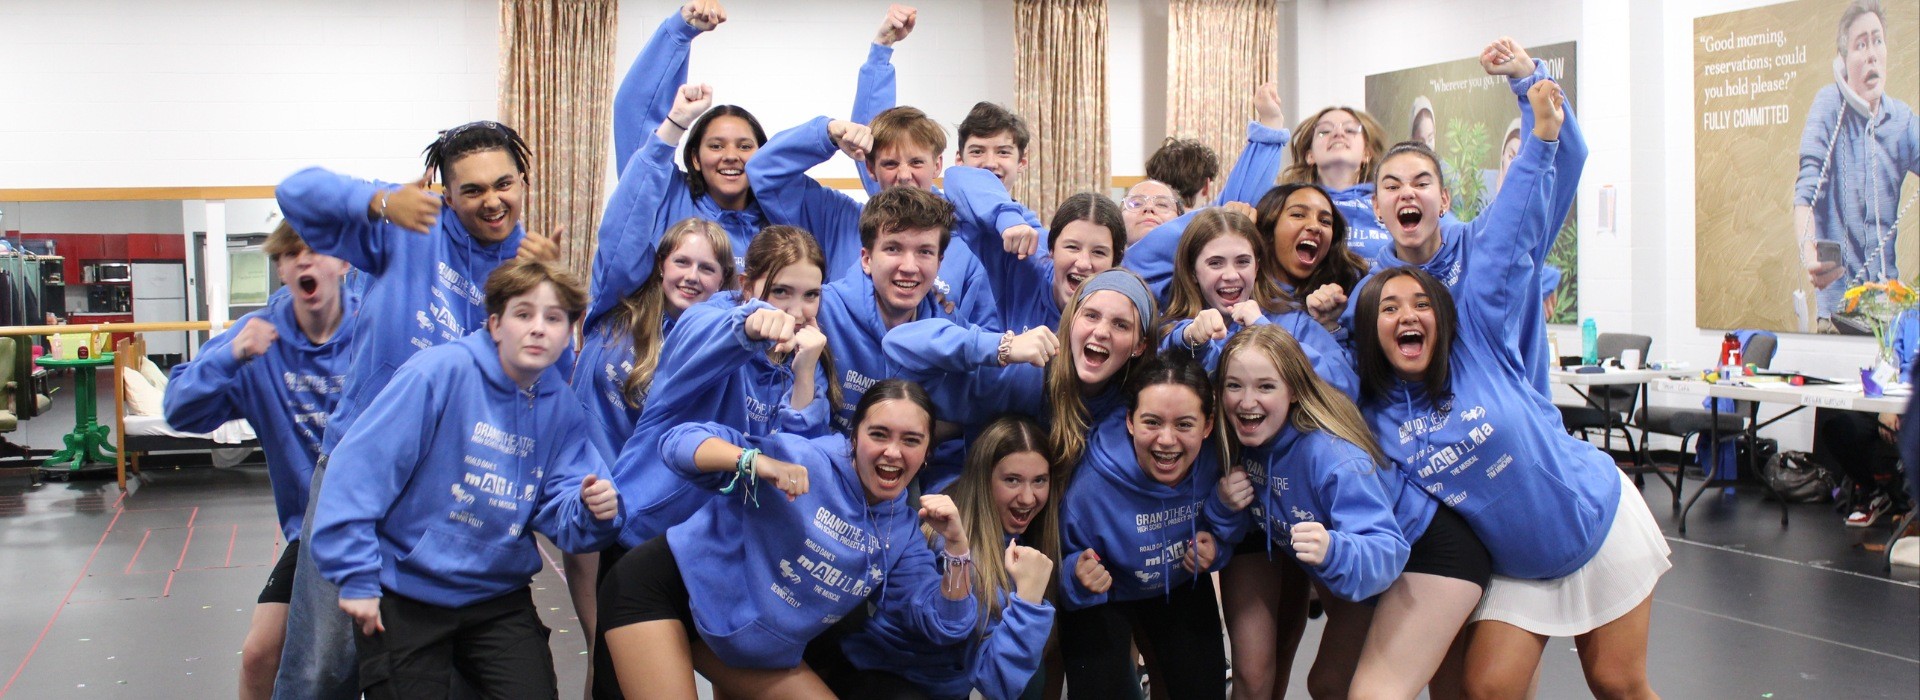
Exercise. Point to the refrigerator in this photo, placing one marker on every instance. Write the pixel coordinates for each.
(160, 295)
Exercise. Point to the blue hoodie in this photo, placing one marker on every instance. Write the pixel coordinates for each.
(448, 517)
(1023, 289)
(779, 175)
(1139, 527)
(1251, 177)
(285, 393)
(999, 662)
(1529, 321)
(600, 376)
(1369, 514)
(1540, 499)
(1365, 234)
(1330, 360)
(959, 368)
(424, 289)
(765, 575)
(709, 371)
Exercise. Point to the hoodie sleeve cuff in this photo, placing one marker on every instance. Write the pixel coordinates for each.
(360, 586)
(1522, 85)
(223, 365)
(984, 348)
(1261, 133)
(879, 54)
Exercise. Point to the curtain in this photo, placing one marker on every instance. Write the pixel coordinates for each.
(1218, 51)
(1060, 75)
(556, 89)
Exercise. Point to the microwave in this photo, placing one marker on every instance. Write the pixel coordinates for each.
(106, 272)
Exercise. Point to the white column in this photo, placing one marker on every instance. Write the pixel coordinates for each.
(215, 281)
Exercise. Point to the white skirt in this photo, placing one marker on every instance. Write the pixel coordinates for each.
(1609, 585)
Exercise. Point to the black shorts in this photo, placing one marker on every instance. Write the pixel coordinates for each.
(1450, 548)
(280, 582)
(644, 585)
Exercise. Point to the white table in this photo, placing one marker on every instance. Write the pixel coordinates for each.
(1800, 397)
(1624, 377)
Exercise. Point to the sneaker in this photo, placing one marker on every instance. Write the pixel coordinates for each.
(1872, 513)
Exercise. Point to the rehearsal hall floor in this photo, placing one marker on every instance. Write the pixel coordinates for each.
(149, 595)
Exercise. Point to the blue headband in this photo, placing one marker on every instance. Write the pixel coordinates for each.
(1127, 283)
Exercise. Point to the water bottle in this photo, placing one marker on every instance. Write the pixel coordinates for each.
(1589, 342)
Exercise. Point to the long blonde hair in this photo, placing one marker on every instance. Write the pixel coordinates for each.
(1185, 297)
(1068, 428)
(1316, 404)
(972, 493)
(642, 310)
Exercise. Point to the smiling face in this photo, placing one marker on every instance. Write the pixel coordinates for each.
(314, 279)
(1255, 398)
(1866, 58)
(1406, 327)
(725, 149)
(1226, 269)
(1169, 426)
(530, 332)
(903, 265)
(690, 274)
(1105, 334)
(1304, 233)
(794, 289)
(997, 154)
(889, 446)
(1147, 206)
(1338, 140)
(1081, 250)
(1410, 199)
(484, 189)
(904, 164)
(1021, 485)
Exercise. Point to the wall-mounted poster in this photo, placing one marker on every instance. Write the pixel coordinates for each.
(1807, 151)
(1473, 121)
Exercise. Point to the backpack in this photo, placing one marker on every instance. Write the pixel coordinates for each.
(1797, 478)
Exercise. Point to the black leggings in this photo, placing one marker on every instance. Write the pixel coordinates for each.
(1179, 634)
(1851, 443)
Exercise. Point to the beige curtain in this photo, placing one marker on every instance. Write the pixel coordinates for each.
(1060, 73)
(556, 88)
(1218, 51)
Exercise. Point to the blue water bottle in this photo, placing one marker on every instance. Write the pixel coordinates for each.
(1589, 342)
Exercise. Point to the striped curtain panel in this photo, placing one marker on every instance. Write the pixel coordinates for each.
(1218, 51)
(556, 89)
(1060, 74)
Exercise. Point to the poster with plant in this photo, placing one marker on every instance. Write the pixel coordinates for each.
(1473, 121)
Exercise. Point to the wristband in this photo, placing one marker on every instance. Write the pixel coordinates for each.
(675, 123)
(948, 564)
(743, 469)
(1006, 348)
(383, 208)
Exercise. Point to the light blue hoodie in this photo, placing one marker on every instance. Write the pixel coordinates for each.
(1368, 512)
(710, 371)
(285, 393)
(1140, 528)
(1328, 358)
(1494, 451)
(1023, 289)
(999, 662)
(446, 514)
(425, 289)
(765, 575)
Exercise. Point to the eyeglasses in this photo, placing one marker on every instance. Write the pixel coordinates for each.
(1325, 131)
(1141, 201)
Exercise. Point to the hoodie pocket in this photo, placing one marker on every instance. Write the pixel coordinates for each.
(1539, 528)
(464, 563)
(752, 645)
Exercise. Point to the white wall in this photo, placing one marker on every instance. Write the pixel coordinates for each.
(1636, 82)
(235, 92)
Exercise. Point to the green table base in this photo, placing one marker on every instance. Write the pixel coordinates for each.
(89, 442)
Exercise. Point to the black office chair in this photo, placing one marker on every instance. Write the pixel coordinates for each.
(1609, 410)
(1697, 423)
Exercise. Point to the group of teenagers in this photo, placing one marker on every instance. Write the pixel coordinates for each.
(927, 445)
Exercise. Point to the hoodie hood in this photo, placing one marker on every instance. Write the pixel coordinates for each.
(485, 355)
